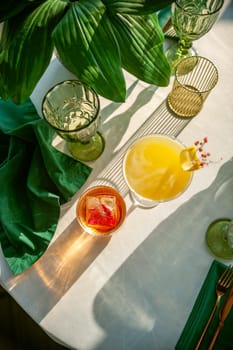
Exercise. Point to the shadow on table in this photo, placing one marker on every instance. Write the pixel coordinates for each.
(114, 125)
(227, 14)
(42, 285)
(147, 301)
(161, 120)
(115, 128)
(73, 251)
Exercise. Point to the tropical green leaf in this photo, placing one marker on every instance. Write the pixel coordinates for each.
(136, 7)
(27, 48)
(10, 8)
(94, 39)
(86, 44)
(3, 91)
(141, 45)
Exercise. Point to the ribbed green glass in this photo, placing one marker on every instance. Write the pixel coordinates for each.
(72, 109)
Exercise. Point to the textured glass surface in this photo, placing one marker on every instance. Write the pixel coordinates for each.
(191, 20)
(72, 109)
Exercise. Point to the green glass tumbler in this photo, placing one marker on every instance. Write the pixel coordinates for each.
(72, 109)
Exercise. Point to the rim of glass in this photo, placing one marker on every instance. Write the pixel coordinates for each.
(198, 58)
(171, 137)
(79, 83)
(221, 2)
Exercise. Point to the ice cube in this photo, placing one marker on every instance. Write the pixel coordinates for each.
(101, 212)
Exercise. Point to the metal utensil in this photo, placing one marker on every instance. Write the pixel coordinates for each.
(224, 282)
(223, 314)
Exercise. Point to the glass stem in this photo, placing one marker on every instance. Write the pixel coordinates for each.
(183, 47)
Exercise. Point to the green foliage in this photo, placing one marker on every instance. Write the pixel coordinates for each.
(95, 40)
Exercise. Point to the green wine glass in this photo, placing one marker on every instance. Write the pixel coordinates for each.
(191, 19)
(72, 109)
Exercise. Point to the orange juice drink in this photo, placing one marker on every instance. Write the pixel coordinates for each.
(152, 168)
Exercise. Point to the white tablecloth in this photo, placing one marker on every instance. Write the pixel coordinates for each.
(136, 289)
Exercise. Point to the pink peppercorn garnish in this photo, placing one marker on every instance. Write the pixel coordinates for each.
(202, 155)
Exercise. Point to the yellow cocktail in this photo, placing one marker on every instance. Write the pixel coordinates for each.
(152, 169)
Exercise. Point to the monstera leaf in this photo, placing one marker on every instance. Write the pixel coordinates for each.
(95, 40)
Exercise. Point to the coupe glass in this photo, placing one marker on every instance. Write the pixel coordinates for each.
(72, 109)
(191, 19)
(219, 238)
(153, 171)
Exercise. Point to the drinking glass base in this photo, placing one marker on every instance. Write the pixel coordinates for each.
(87, 151)
(174, 55)
(142, 202)
(216, 239)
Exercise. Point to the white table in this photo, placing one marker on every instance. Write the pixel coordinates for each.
(136, 289)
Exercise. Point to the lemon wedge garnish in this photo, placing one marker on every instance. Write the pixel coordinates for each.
(189, 159)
